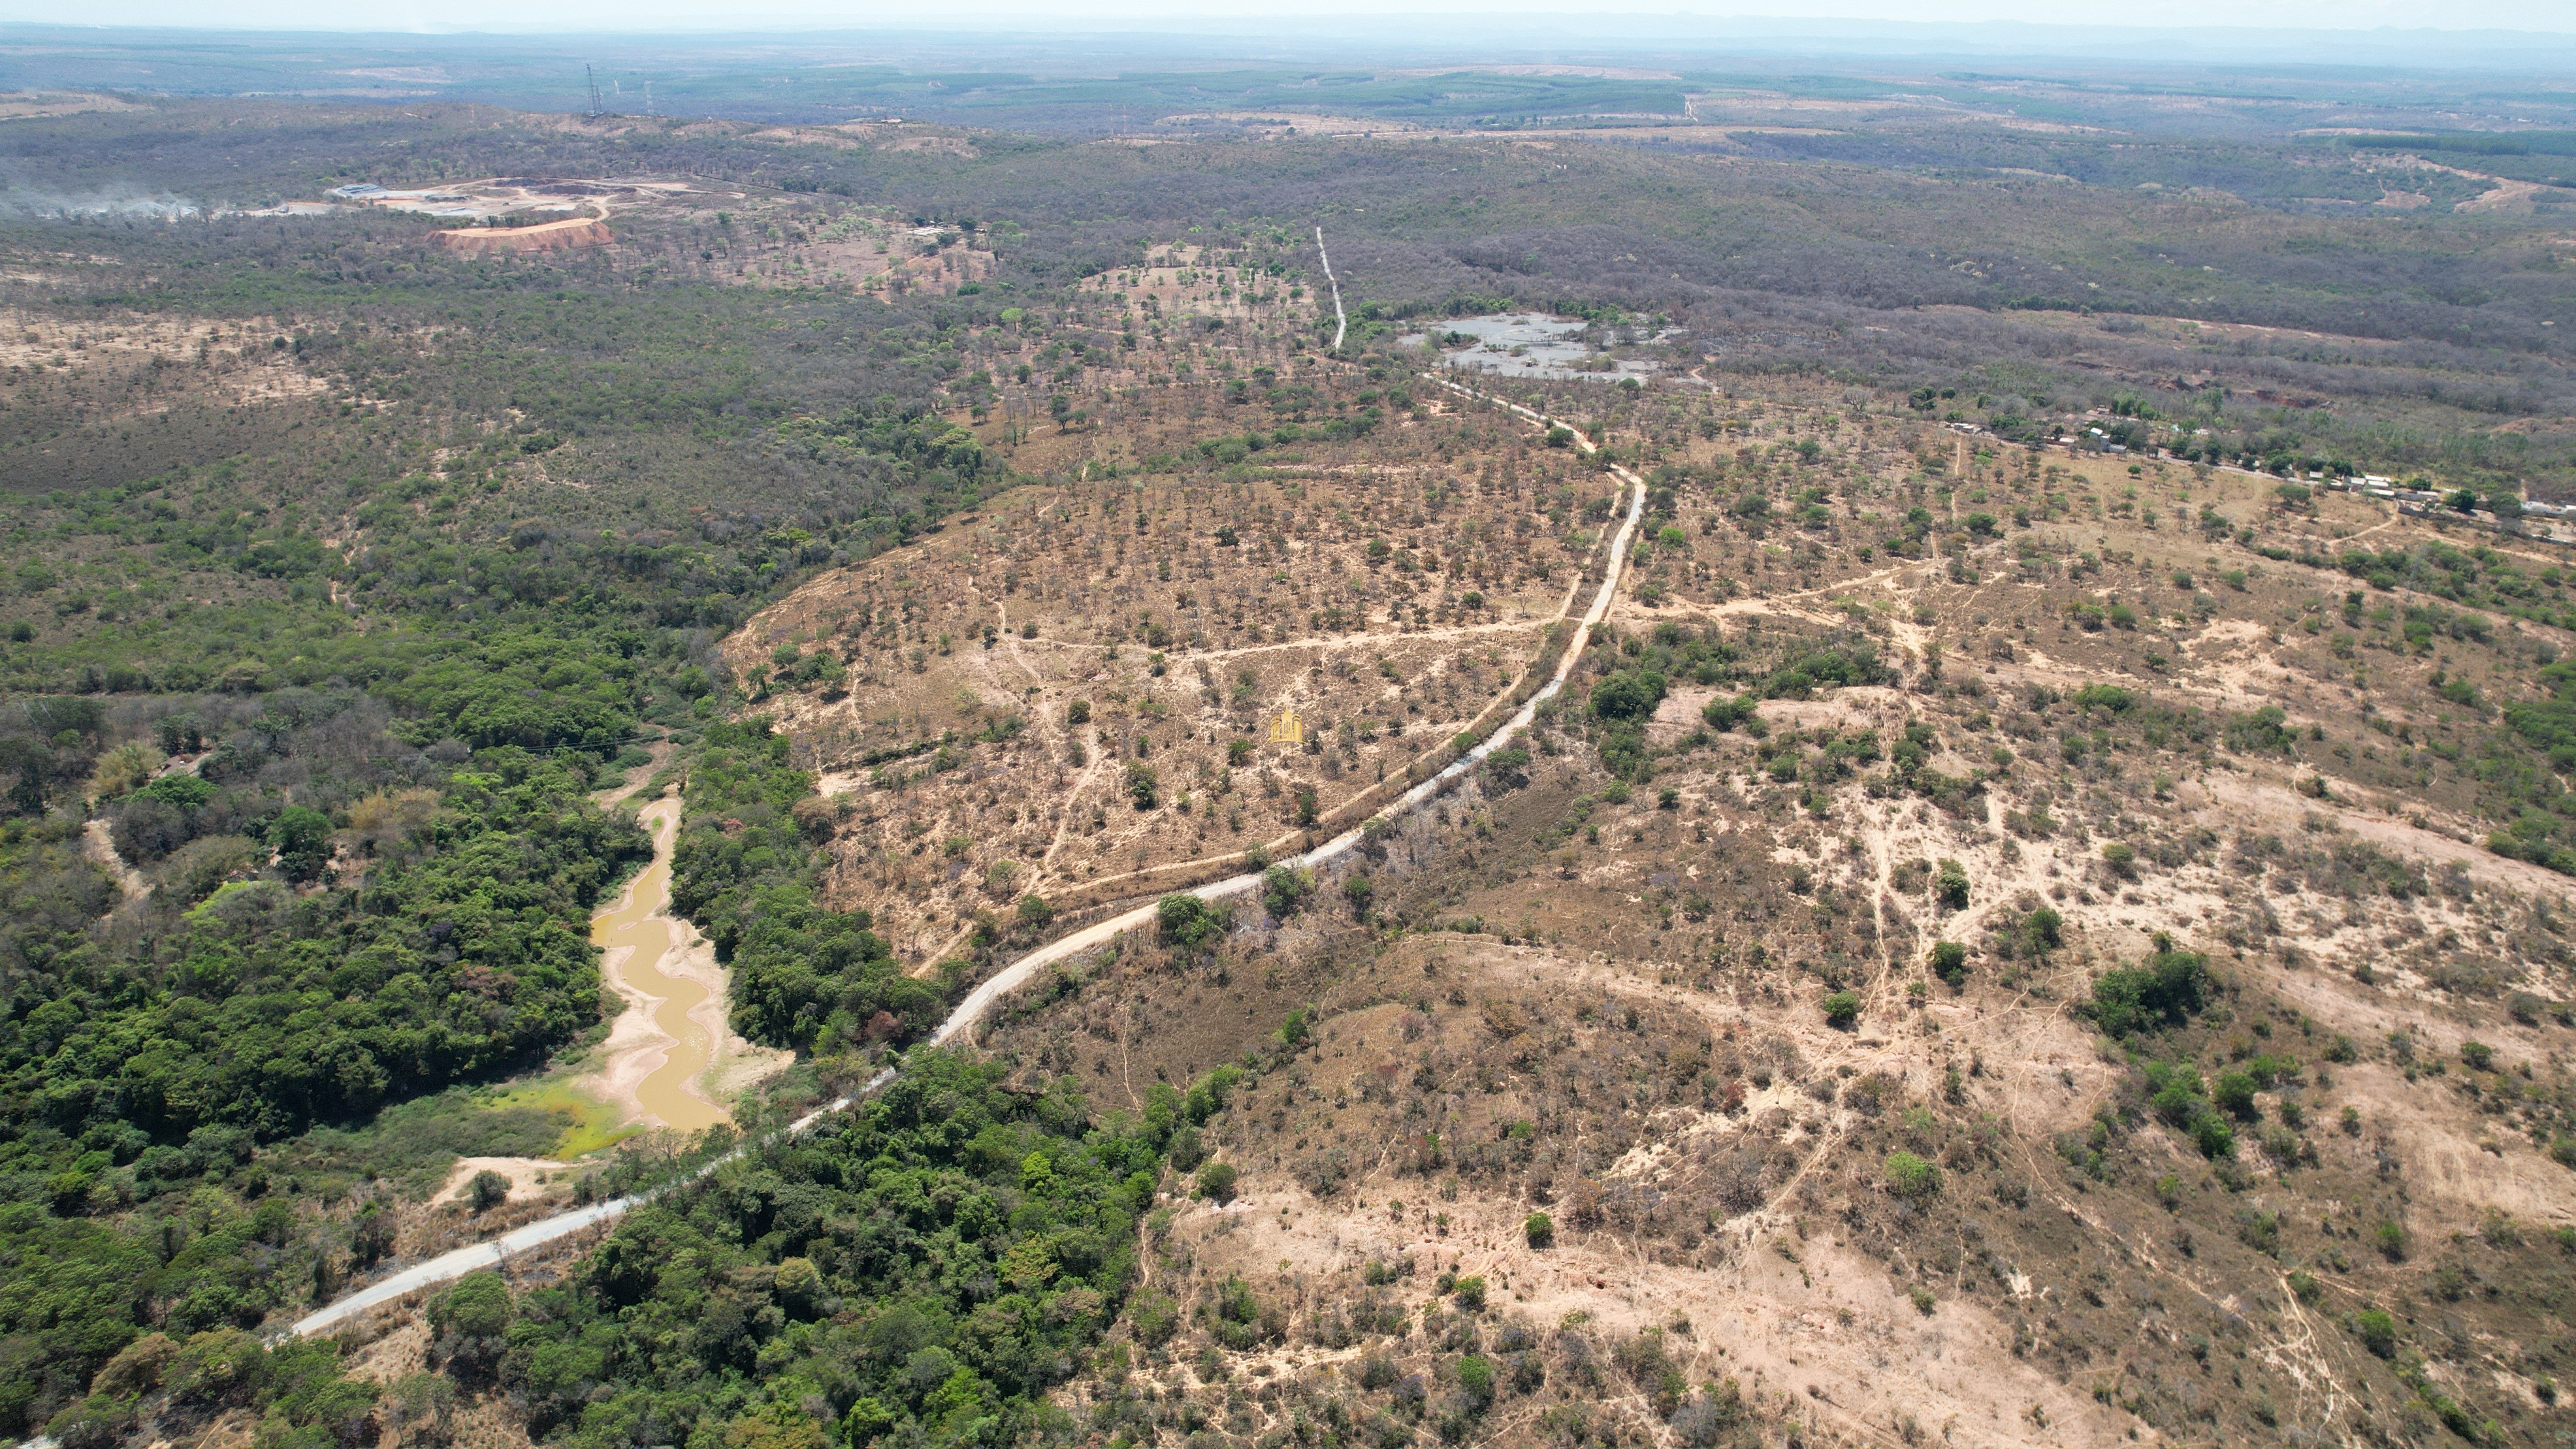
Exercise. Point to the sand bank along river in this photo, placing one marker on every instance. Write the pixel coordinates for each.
(666, 1040)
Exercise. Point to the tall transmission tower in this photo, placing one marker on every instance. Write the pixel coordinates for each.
(597, 106)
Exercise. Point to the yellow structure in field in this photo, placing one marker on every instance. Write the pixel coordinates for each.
(1287, 729)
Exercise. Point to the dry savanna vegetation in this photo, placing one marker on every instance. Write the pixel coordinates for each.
(2034, 919)
(1769, 1055)
(1113, 679)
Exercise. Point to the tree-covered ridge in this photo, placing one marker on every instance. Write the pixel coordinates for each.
(271, 1010)
(918, 1271)
(746, 873)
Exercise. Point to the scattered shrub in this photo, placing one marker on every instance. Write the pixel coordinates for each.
(1725, 712)
(1842, 1008)
(1628, 694)
(1191, 923)
(1911, 1177)
(2166, 990)
(1217, 1180)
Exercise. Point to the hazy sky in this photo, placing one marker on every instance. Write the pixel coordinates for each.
(1167, 15)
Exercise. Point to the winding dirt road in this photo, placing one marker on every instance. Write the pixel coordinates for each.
(970, 1013)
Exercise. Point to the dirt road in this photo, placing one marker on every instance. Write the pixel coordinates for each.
(970, 1012)
(1341, 322)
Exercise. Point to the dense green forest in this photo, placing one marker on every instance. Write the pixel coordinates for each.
(747, 873)
(919, 1271)
(337, 704)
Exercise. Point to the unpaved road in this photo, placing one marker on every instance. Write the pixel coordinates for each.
(1341, 323)
(970, 1012)
(100, 847)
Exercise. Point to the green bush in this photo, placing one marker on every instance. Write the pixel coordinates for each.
(1842, 1008)
(1476, 1374)
(2215, 1139)
(478, 1305)
(1628, 694)
(1217, 1180)
(1284, 889)
(1238, 1314)
(1540, 1230)
(2233, 1091)
(1950, 886)
(1827, 668)
(2040, 932)
(1911, 1177)
(1359, 893)
(2175, 1094)
(1155, 1317)
(1190, 923)
(2166, 990)
(1950, 961)
(302, 838)
(2377, 1331)
(1725, 712)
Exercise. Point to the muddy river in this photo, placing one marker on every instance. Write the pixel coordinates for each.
(639, 936)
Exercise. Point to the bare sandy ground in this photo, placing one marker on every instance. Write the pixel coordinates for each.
(99, 846)
(570, 234)
(529, 1177)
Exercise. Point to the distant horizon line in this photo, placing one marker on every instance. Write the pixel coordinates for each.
(1631, 28)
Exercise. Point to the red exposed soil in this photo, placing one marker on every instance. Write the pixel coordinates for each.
(571, 234)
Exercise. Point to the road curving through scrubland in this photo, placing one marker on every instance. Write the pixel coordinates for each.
(970, 1012)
